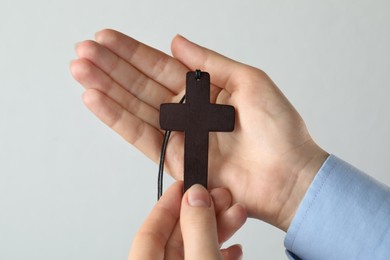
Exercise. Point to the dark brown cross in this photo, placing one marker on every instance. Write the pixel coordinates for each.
(196, 117)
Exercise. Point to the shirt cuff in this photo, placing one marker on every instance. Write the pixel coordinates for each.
(345, 214)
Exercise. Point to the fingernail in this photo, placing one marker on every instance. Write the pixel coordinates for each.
(181, 36)
(198, 196)
(98, 34)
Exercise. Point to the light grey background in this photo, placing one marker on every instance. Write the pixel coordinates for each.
(70, 188)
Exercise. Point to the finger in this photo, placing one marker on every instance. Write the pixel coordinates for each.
(150, 241)
(174, 248)
(137, 124)
(222, 200)
(153, 63)
(125, 74)
(198, 225)
(232, 253)
(135, 131)
(229, 221)
(194, 57)
(91, 77)
(229, 218)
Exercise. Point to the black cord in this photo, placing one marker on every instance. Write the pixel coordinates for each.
(167, 134)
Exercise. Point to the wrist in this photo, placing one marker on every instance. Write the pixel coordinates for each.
(304, 166)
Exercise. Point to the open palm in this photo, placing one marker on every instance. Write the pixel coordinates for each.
(126, 81)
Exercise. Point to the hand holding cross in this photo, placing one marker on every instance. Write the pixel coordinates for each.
(274, 158)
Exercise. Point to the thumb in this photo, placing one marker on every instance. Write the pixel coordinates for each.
(220, 67)
(198, 225)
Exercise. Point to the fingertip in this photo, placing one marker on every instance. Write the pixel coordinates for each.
(87, 49)
(222, 199)
(85, 97)
(101, 32)
(77, 68)
(240, 212)
(77, 47)
(80, 68)
(90, 96)
(174, 43)
(106, 35)
(234, 252)
(71, 62)
(178, 43)
(179, 183)
(178, 37)
(236, 215)
(177, 186)
(230, 221)
(173, 193)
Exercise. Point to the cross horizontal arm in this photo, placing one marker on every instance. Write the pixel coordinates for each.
(173, 117)
(221, 118)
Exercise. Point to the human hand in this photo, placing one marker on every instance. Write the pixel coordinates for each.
(267, 163)
(192, 227)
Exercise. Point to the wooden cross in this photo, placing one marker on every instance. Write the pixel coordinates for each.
(196, 117)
